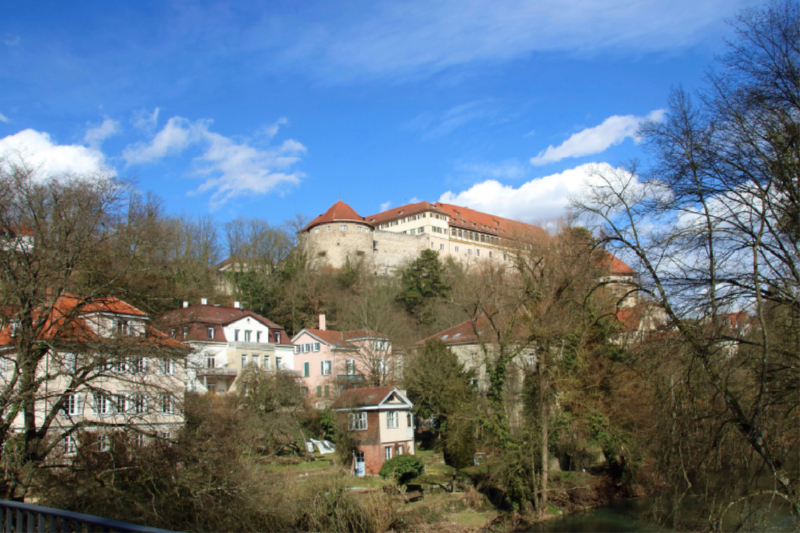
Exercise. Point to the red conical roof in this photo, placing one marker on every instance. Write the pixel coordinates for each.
(338, 212)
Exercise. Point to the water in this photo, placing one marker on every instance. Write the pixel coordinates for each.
(631, 515)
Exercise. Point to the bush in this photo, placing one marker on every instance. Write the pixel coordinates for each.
(403, 468)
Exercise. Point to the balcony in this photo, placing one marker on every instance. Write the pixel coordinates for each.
(350, 378)
(250, 345)
(217, 372)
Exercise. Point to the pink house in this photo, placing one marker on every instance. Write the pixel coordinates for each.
(329, 362)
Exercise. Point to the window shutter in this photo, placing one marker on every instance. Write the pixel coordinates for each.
(96, 404)
(79, 404)
(322, 368)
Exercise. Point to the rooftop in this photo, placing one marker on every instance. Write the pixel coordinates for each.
(338, 212)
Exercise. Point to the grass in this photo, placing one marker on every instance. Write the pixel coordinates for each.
(471, 518)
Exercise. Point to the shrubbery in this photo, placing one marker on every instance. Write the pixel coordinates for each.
(403, 468)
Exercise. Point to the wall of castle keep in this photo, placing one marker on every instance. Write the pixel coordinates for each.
(329, 244)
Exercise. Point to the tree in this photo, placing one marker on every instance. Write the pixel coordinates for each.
(712, 226)
(441, 389)
(54, 230)
(423, 281)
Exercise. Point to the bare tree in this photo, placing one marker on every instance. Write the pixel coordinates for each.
(53, 355)
(712, 227)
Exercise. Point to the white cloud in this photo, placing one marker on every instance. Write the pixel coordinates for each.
(144, 120)
(231, 168)
(37, 150)
(95, 136)
(539, 199)
(272, 130)
(3, 118)
(417, 37)
(611, 132)
(385, 206)
(506, 170)
(435, 125)
(11, 39)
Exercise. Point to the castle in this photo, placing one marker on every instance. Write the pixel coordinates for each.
(389, 240)
(393, 238)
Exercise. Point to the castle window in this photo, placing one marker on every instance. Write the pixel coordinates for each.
(316, 230)
(322, 254)
(360, 229)
(343, 227)
(329, 228)
(360, 252)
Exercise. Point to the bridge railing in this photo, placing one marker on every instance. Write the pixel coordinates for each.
(17, 517)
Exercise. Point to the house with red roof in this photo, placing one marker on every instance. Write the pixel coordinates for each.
(227, 341)
(329, 362)
(381, 421)
(105, 369)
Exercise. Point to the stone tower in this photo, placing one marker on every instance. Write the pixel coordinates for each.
(337, 234)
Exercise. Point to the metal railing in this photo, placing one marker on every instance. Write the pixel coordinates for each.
(17, 517)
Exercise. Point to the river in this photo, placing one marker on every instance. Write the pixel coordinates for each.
(631, 515)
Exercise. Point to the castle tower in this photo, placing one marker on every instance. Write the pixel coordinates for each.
(336, 234)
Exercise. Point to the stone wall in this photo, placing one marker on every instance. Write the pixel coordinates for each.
(328, 245)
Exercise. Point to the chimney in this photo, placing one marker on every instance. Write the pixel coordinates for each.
(185, 304)
(322, 322)
(203, 301)
(236, 305)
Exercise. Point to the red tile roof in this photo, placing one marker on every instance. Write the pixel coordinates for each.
(466, 218)
(616, 266)
(338, 212)
(67, 321)
(402, 212)
(362, 397)
(198, 318)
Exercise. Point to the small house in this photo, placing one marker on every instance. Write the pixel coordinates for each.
(381, 420)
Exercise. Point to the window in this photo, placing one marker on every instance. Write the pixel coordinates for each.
(325, 394)
(103, 443)
(255, 360)
(325, 368)
(166, 405)
(316, 230)
(185, 332)
(350, 367)
(172, 333)
(441, 246)
(387, 452)
(247, 335)
(306, 369)
(360, 229)
(297, 348)
(139, 364)
(244, 361)
(101, 406)
(392, 418)
(456, 249)
(319, 391)
(383, 367)
(422, 229)
(70, 445)
(278, 337)
(316, 346)
(490, 254)
(266, 362)
(432, 245)
(71, 362)
(278, 363)
(469, 251)
(210, 332)
(167, 367)
(358, 421)
(138, 440)
(478, 252)
(236, 335)
(123, 327)
(258, 336)
(212, 387)
(329, 228)
(399, 450)
(211, 362)
(412, 232)
(136, 404)
(119, 403)
(343, 227)
(73, 405)
(408, 420)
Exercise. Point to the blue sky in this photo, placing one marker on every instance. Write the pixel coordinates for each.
(275, 108)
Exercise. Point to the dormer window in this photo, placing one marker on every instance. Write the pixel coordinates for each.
(123, 328)
(278, 337)
(185, 332)
(210, 332)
